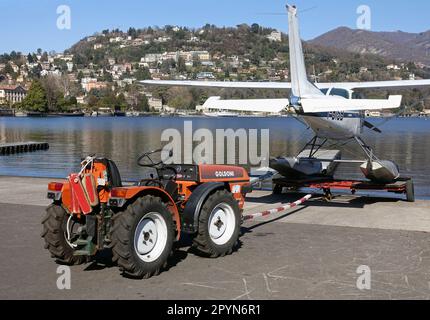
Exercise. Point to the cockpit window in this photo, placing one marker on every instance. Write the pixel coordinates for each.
(324, 91)
(357, 95)
(339, 92)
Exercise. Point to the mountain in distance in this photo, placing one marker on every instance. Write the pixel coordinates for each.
(393, 45)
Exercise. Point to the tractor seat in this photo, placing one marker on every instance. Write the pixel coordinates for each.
(114, 175)
(112, 171)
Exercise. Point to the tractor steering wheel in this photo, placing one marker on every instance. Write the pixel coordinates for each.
(149, 163)
(146, 161)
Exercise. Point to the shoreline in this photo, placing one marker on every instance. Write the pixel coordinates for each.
(191, 115)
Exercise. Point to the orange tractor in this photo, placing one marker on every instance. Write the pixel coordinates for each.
(93, 211)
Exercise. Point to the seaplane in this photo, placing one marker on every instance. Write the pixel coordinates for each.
(334, 112)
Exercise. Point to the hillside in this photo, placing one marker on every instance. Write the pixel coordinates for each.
(102, 70)
(393, 45)
(242, 53)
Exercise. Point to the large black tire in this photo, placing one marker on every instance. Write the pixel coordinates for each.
(204, 243)
(410, 191)
(53, 232)
(123, 233)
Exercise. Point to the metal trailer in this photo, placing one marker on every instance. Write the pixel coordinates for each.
(402, 185)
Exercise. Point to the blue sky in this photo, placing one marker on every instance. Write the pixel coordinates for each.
(29, 24)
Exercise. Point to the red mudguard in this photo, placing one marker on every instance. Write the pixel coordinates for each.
(90, 187)
(80, 202)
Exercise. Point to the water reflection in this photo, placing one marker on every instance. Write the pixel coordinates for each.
(405, 141)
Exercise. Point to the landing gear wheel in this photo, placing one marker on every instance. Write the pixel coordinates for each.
(54, 233)
(277, 189)
(142, 238)
(328, 196)
(219, 225)
(410, 191)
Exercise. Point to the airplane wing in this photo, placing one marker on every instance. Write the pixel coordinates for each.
(396, 84)
(247, 105)
(218, 84)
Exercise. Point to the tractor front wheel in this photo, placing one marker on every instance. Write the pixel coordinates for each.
(142, 237)
(54, 232)
(219, 225)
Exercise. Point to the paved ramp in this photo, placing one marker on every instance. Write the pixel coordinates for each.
(310, 252)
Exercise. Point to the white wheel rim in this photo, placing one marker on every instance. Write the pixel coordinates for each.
(222, 223)
(150, 237)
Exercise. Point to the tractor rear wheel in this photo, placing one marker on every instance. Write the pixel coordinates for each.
(219, 225)
(142, 238)
(54, 233)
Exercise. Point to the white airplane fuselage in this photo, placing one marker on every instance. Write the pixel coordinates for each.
(335, 125)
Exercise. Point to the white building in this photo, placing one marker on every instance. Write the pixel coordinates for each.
(205, 75)
(152, 58)
(70, 66)
(162, 39)
(115, 40)
(393, 67)
(170, 56)
(275, 36)
(155, 103)
(45, 73)
(12, 94)
(201, 55)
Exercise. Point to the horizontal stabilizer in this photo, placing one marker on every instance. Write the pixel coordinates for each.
(332, 104)
(247, 105)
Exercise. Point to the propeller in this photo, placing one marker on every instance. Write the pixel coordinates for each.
(367, 124)
(284, 13)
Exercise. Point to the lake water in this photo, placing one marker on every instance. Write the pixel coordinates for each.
(405, 141)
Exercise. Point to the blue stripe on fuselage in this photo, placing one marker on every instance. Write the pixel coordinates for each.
(348, 115)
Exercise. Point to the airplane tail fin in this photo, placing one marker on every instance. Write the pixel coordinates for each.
(301, 87)
(307, 96)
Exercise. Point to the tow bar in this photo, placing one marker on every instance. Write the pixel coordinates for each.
(277, 210)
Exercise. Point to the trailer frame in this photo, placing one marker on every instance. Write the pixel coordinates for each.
(402, 185)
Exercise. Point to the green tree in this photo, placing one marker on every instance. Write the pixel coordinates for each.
(9, 70)
(30, 58)
(142, 74)
(121, 103)
(179, 98)
(92, 101)
(80, 75)
(36, 98)
(181, 65)
(255, 28)
(142, 103)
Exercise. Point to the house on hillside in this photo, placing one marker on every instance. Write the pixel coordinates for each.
(10, 94)
(275, 36)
